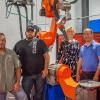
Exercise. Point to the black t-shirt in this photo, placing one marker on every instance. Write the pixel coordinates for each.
(31, 56)
(20, 44)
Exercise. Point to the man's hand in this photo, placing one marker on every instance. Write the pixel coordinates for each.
(16, 87)
(77, 77)
(96, 78)
(97, 73)
(47, 59)
(44, 73)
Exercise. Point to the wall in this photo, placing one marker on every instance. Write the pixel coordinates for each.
(76, 13)
(94, 9)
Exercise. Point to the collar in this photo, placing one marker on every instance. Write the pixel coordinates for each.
(91, 44)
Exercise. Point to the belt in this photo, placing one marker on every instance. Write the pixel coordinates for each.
(90, 72)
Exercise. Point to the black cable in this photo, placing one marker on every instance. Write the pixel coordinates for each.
(8, 4)
(32, 11)
(20, 21)
(72, 2)
(8, 13)
(26, 15)
(55, 10)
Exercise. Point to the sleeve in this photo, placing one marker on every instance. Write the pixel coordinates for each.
(78, 50)
(80, 53)
(15, 48)
(60, 52)
(18, 46)
(44, 47)
(18, 49)
(16, 60)
(98, 50)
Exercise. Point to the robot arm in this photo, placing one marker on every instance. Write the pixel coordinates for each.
(47, 11)
(51, 8)
(49, 37)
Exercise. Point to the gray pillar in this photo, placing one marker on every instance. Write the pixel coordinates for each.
(85, 12)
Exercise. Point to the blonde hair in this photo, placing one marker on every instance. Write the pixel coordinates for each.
(71, 29)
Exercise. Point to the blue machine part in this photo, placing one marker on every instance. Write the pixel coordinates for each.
(54, 92)
(94, 25)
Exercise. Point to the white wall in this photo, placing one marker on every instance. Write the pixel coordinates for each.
(9, 26)
(94, 9)
(75, 13)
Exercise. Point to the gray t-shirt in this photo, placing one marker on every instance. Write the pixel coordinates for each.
(8, 64)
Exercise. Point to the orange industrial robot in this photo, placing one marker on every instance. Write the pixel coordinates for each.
(50, 8)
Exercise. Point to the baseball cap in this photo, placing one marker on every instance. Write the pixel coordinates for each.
(30, 28)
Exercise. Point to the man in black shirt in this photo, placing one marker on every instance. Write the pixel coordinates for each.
(34, 57)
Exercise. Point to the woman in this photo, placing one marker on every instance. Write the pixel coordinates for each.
(69, 51)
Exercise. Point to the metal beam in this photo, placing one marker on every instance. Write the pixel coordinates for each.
(85, 12)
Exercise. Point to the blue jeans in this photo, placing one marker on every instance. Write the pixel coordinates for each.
(20, 95)
(38, 82)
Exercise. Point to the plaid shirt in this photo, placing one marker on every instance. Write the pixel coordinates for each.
(69, 53)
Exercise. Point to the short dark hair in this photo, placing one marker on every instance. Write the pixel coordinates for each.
(88, 29)
(2, 34)
(30, 28)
